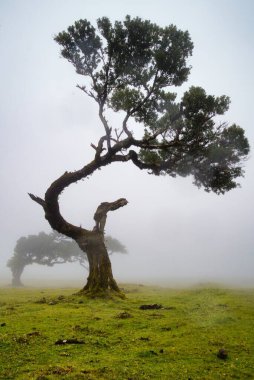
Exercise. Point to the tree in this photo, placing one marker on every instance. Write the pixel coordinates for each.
(51, 249)
(132, 67)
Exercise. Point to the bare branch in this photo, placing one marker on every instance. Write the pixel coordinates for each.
(93, 146)
(106, 127)
(100, 215)
(37, 200)
(89, 93)
(125, 128)
(118, 135)
(100, 148)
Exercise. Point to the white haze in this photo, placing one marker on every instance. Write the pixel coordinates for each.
(173, 231)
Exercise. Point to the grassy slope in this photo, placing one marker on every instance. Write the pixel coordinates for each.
(176, 343)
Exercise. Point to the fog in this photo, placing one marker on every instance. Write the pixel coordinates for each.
(174, 232)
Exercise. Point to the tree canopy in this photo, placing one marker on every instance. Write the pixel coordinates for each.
(131, 66)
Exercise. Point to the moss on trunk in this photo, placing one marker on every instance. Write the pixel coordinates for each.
(100, 281)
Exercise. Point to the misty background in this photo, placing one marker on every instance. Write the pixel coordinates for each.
(173, 231)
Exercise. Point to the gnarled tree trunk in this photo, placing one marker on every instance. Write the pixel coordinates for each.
(100, 280)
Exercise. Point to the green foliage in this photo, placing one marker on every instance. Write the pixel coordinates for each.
(131, 65)
(123, 59)
(212, 154)
(179, 341)
(80, 46)
(199, 107)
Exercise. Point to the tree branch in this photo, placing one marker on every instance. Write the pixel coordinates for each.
(121, 158)
(105, 124)
(149, 93)
(37, 200)
(141, 165)
(100, 215)
(125, 128)
(99, 149)
(105, 90)
(89, 93)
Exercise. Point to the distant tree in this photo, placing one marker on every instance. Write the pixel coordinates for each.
(50, 249)
(130, 67)
(114, 246)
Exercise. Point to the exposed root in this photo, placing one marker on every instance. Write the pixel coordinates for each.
(101, 293)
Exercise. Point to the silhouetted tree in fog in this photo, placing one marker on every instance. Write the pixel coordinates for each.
(51, 249)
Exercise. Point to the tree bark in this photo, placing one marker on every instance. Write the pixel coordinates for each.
(100, 280)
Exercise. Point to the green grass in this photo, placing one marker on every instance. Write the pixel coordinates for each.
(122, 342)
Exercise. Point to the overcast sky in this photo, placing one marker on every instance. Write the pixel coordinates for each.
(172, 230)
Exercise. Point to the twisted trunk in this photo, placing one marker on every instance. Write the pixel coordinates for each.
(100, 279)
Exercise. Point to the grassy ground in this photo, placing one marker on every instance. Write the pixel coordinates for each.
(123, 342)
